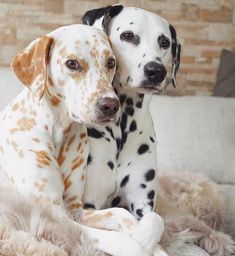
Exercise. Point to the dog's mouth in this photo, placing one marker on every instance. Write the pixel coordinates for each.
(104, 120)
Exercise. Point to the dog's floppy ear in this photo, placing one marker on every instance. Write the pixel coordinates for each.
(105, 15)
(30, 65)
(175, 51)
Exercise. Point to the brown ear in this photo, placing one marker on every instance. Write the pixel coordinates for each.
(30, 65)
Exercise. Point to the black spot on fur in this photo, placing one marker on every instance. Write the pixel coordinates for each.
(150, 175)
(132, 207)
(131, 23)
(151, 204)
(89, 159)
(118, 143)
(139, 103)
(122, 98)
(123, 122)
(118, 28)
(143, 186)
(139, 65)
(107, 139)
(128, 79)
(139, 213)
(143, 149)
(110, 131)
(116, 201)
(94, 133)
(88, 205)
(108, 12)
(110, 164)
(152, 139)
(118, 122)
(119, 165)
(133, 126)
(130, 111)
(140, 132)
(129, 101)
(151, 194)
(124, 137)
(129, 164)
(124, 181)
(144, 55)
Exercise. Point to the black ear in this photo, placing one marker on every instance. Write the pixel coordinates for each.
(107, 13)
(175, 51)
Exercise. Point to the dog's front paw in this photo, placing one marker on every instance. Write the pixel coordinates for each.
(149, 231)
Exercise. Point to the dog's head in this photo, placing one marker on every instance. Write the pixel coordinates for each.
(73, 66)
(142, 42)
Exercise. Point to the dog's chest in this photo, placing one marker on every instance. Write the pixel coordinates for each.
(111, 148)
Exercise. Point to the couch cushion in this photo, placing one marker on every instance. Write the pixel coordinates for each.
(9, 86)
(196, 134)
(229, 218)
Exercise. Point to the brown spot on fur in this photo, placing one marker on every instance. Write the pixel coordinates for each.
(56, 100)
(24, 124)
(129, 224)
(15, 107)
(67, 130)
(82, 135)
(79, 146)
(42, 158)
(77, 164)
(67, 182)
(96, 219)
(41, 184)
(46, 128)
(36, 140)
(49, 146)
(61, 157)
(70, 142)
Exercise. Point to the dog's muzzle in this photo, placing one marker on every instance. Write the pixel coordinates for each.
(155, 72)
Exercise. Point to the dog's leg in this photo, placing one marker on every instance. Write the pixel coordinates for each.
(114, 243)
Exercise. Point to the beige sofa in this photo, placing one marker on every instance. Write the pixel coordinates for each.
(193, 134)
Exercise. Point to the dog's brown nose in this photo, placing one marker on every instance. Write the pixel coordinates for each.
(108, 106)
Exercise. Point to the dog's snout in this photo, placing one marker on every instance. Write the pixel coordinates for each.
(108, 106)
(155, 72)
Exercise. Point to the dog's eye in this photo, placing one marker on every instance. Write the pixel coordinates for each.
(127, 36)
(111, 63)
(73, 64)
(164, 42)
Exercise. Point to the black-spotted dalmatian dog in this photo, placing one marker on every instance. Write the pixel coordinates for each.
(122, 161)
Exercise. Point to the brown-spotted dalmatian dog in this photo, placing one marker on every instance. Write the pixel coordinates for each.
(44, 143)
(143, 43)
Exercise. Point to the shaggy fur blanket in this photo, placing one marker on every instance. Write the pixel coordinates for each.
(191, 205)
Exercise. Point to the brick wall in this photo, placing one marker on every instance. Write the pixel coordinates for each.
(204, 27)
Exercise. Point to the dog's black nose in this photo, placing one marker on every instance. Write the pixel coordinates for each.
(155, 72)
(108, 106)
